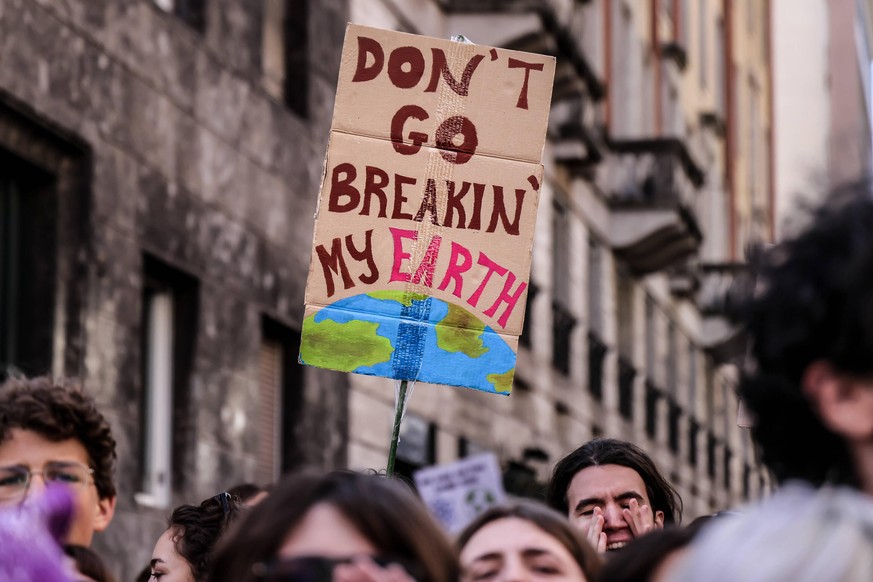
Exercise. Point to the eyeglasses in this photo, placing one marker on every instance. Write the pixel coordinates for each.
(319, 568)
(15, 479)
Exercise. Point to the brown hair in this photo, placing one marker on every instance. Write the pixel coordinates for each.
(546, 519)
(57, 411)
(383, 510)
(197, 529)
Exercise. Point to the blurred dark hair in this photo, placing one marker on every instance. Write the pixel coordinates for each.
(57, 411)
(88, 563)
(246, 491)
(384, 511)
(197, 529)
(809, 299)
(546, 519)
(605, 451)
(637, 561)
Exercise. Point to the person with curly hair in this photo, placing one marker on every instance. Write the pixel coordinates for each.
(52, 432)
(184, 550)
(808, 381)
(612, 490)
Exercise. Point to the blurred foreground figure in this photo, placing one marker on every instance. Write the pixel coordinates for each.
(525, 541)
(809, 380)
(341, 526)
(799, 535)
(51, 432)
(613, 492)
(184, 550)
(30, 538)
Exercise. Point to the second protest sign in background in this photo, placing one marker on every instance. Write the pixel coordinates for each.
(422, 244)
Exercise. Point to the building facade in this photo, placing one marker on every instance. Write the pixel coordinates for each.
(159, 166)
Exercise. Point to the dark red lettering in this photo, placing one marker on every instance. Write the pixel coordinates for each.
(405, 55)
(528, 67)
(478, 194)
(342, 188)
(368, 46)
(440, 65)
(453, 204)
(366, 254)
(428, 203)
(499, 211)
(333, 261)
(375, 186)
(445, 136)
(399, 198)
(416, 137)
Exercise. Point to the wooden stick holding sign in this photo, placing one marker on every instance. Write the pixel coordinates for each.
(421, 249)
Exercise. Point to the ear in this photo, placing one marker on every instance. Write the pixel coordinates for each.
(659, 519)
(843, 403)
(105, 512)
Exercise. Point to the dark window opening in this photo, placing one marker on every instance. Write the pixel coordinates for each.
(28, 263)
(747, 481)
(524, 339)
(192, 13)
(653, 394)
(728, 457)
(596, 354)
(626, 376)
(417, 446)
(296, 57)
(711, 446)
(164, 285)
(562, 326)
(675, 415)
(281, 391)
(693, 429)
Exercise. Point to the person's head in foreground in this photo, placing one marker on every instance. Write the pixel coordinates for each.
(525, 541)
(341, 525)
(808, 382)
(51, 432)
(184, 550)
(613, 492)
(798, 535)
(88, 565)
(30, 538)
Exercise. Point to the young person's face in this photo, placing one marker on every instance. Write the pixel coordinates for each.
(166, 564)
(30, 450)
(612, 498)
(514, 549)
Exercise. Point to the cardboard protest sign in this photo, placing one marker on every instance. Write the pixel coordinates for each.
(457, 492)
(423, 235)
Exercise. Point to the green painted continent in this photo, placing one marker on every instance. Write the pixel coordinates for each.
(343, 346)
(401, 297)
(461, 331)
(502, 382)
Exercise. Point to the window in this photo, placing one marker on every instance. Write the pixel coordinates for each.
(191, 12)
(281, 399)
(417, 446)
(562, 326)
(711, 448)
(526, 330)
(169, 329)
(651, 334)
(672, 378)
(653, 395)
(595, 287)
(28, 248)
(626, 376)
(728, 457)
(296, 39)
(674, 416)
(563, 320)
(693, 430)
(596, 354)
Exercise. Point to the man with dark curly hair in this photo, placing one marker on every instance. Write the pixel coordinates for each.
(612, 490)
(808, 383)
(51, 432)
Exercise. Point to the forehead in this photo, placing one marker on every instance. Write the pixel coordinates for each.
(31, 449)
(511, 535)
(605, 482)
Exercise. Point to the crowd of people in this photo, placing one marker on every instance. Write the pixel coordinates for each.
(610, 515)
